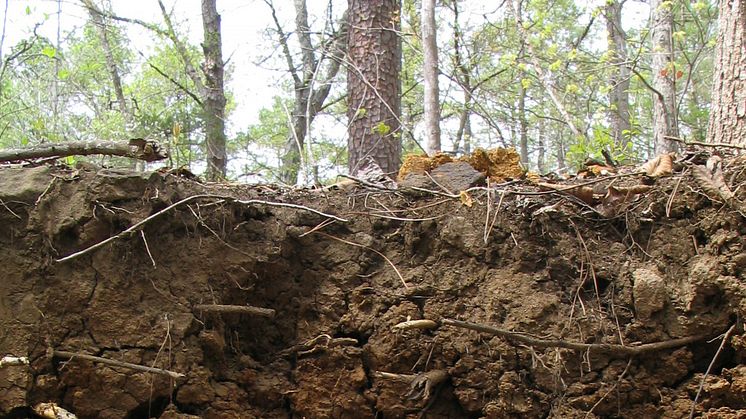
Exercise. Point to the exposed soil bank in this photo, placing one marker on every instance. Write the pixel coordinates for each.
(670, 265)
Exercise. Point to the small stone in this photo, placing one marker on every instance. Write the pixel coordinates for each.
(457, 176)
(649, 292)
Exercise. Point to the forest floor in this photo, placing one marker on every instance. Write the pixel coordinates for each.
(585, 311)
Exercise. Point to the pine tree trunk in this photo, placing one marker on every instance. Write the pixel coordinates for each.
(728, 110)
(214, 93)
(665, 122)
(430, 70)
(373, 83)
(619, 76)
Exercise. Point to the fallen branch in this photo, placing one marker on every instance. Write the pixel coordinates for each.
(139, 224)
(114, 363)
(137, 148)
(222, 308)
(576, 346)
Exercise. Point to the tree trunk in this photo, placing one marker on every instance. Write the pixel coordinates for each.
(664, 99)
(373, 84)
(522, 124)
(464, 78)
(619, 76)
(430, 73)
(214, 94)
(728, 110)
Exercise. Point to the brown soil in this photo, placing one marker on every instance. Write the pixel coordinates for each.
(669, 264)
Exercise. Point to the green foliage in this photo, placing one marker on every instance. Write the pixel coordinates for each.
(592, 147)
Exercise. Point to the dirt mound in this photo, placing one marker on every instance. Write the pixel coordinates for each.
(582, 314)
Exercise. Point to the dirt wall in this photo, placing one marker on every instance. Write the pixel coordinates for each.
(669, 265)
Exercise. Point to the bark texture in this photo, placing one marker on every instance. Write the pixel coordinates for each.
(138, 148)
(728, 110)
(665, 122)
(619, 76)
(374, 84)
(214, 93)
(430, 73)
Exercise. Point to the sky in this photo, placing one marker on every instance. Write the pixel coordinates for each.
(245, 42)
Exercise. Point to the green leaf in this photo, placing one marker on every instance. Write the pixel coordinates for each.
(49, 51)
(63, 74)
(28, 10)
(526, 83)
(381, 129)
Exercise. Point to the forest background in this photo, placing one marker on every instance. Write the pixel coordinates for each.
(559, 80)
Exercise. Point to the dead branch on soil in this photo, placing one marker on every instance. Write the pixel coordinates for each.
(158, 214)
(608, 348)
(10, 360)
(401, 278)
(52, 411)
(136, 148)
(114, 363)
(223, 308)
(726, 337)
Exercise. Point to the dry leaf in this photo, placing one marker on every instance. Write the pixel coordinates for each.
(713, 183)
(659, 166)
(466, 199)
(583, 193)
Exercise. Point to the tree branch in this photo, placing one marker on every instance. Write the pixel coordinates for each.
(141, 149)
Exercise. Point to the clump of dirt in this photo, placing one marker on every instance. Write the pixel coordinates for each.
(135, 267)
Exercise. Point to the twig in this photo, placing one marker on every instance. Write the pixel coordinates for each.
(608, 348)
(372, 250)
(392, 376)
(224, 308)
(115, 363)
(709, 368)
(621, 376)
(366, 183)
(139, 224)
(147, 248)
(10, 210)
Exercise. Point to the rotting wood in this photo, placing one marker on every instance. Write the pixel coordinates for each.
(144, 221)
(224, 308)
(114, 363)
(612, 349)
(136, 148)
(52, 411)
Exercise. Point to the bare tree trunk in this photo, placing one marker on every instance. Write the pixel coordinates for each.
(728, 110)
(619, 77)
(430, 70)
(214, 94)
(464, 78)
(374, 84)
(665, 122)
(541, 158)
(522, 125)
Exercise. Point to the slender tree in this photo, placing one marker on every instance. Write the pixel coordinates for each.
(728, 110)
(373, 84)
(618, 113)
(664, 96)
(214, 91)
(430, 72)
